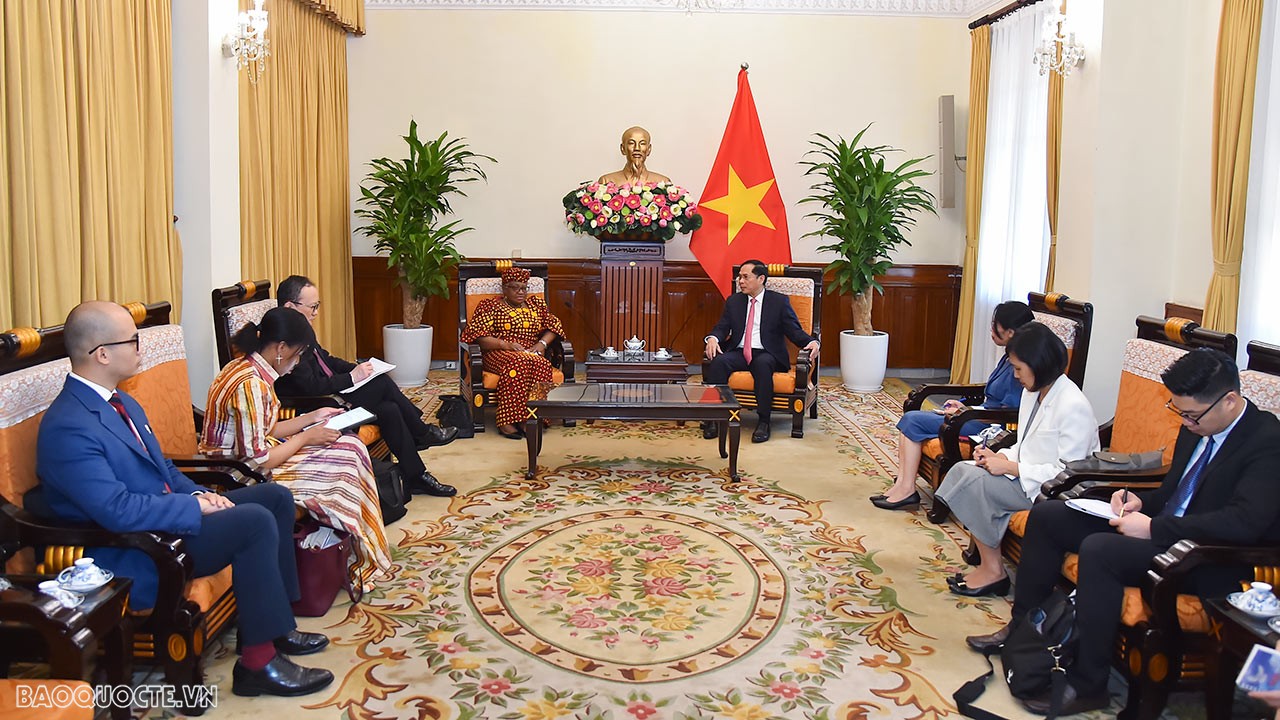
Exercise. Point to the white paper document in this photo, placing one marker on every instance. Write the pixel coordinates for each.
(379, 367)
(1092, 506)
(350, 418)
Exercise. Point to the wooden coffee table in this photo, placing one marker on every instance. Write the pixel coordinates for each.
(641, 367)
(1237, 632)
(635, 401)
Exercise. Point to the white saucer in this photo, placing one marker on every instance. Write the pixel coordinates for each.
(89, 586)
(660, 356)
(608, 355)
(1274, 624)
(1235, 598)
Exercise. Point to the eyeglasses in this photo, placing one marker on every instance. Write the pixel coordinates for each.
(313, 307)
(135, 341)
(1193, 418)
(516, 286)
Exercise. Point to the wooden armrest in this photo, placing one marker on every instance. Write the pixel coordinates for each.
(306, 403)
(207, 465)
(1170, 567)
(1104, 433)
(969, 393)
(1068, 480)
(950, 431)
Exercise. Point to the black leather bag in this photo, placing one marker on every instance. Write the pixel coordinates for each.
(392, 495)
(454, 413)
(1036, 656)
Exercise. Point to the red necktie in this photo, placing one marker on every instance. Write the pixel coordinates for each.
(118, 404)
(751, 321)
(324, 367)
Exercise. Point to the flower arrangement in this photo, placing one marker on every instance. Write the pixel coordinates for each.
(659, 210)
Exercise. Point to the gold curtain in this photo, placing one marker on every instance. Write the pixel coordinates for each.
(86, 144)
(1238, 36)
(1054, 169)
(979, 80)
(294, 206)
(347, 14)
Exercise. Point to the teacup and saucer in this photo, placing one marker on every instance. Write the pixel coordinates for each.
(609, 352)
(662, 354)
(1257, 601)
(84, 576)
(65, 597)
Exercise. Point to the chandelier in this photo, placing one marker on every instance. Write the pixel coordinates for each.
(248, 43)
(1058, 52)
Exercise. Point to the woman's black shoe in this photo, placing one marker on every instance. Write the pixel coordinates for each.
(970, 555)
(710, 431)
(517, 435)
(873, 498)
(883, 504)
(997, 588)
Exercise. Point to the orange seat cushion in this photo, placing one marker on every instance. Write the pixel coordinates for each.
(932, 448)
(369, 434)
(1134, 610)
(1018, 523)
(204, 591)
(491, 380)
(783, 383)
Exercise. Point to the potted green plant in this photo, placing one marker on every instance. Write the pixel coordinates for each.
(867, 204)
(404, 203)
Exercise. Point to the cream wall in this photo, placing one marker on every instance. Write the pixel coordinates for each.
(548, 93)
(1134, 206)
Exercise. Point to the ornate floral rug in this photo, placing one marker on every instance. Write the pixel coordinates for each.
(630, 580)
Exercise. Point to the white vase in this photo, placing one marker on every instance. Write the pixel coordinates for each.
(410, 351)
(863, 359)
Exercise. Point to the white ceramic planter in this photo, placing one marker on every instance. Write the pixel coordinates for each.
(863, 359)
(409, 351)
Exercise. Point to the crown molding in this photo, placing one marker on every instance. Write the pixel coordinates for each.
(910, 8)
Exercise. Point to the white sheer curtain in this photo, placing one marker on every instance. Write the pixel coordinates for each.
(1013, 243)
(1257, 318)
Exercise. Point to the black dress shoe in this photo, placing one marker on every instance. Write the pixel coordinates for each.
(301, 643)
(280, 677)
(429, 485)
(762, 433)
(873, 498)
(989, 644)
(884, 504)
(710, 431)
(998, 588)
(517, 435)
(1072, 702)
(971, 556)
(435, 436)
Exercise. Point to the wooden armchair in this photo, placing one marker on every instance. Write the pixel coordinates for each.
(796, 390)
(247, 301)
(1165, 637)
(1071, 320)
(478, 281)
(188, 610)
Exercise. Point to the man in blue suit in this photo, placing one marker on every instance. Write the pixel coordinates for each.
(752, 335)
(99, 461)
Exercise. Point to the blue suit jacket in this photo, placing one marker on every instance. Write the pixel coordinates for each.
(91, 467)
(778, 323)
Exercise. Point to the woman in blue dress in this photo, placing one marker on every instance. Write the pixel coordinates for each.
(917, 426)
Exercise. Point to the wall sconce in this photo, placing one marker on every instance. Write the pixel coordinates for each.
(1058, 52)
(248, 44)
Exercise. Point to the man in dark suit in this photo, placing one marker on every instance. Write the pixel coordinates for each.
(98, 461)
(1221, 489)
(319, 373)
(751, 335)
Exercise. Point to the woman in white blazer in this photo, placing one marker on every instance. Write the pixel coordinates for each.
(1055, 425)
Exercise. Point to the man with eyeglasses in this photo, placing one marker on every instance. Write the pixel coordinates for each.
(319, 373)
(98, 461)
(1221, 489)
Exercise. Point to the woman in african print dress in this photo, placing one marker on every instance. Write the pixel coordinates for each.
(328, 473)
(513, 332)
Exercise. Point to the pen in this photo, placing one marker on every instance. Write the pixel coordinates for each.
(1124, 500)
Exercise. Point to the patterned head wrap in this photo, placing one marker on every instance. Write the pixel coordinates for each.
(515, 274)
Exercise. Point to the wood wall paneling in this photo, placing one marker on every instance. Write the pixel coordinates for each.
(918, 309)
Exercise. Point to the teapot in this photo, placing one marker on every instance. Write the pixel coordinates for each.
(633, 345)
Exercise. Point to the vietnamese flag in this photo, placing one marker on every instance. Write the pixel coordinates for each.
(742, 212)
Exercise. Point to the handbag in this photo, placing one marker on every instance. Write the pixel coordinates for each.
(391, 492)
(455, 413)
(322, 572)
(1040, 648)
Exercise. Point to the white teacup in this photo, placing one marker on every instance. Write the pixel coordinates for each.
(662, 353)
(62, 595)
(84, 573)
(609, 351)
(1260, 599)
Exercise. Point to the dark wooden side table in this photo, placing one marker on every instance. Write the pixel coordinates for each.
(641, 367)
(1238, 632)
(635, 401)
(35, 627)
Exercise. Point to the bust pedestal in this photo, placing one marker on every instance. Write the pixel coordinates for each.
(631, 290)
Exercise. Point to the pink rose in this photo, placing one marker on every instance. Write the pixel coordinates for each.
(594, 568)
(669, 541)
(688, 212)
(665, 587)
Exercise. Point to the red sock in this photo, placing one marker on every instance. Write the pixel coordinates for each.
(256, 657)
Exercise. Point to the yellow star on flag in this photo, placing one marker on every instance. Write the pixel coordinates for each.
(742, 204)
